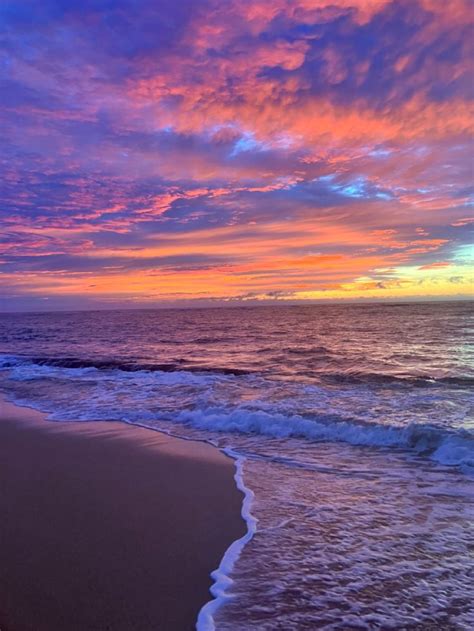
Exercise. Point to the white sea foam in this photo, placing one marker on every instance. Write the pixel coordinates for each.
(221, 576)
(449, 448)
(343, 549)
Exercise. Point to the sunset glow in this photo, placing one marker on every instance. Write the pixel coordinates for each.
(216, 151)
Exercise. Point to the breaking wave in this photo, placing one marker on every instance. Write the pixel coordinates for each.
(454, 447)
(141, 392)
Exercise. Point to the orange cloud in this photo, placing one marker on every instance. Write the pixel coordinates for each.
(435, 265)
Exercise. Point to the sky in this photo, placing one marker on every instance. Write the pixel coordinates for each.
(180, 152)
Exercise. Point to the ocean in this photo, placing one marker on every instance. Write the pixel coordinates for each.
(352, 431)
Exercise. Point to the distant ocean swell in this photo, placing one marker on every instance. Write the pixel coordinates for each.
(349, 377)
(448, 446)
(110, 364)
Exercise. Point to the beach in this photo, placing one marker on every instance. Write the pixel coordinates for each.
(351, 469)
(108, 526)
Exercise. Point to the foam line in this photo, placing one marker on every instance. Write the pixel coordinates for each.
(221, 575)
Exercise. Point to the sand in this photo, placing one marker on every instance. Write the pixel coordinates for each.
(105, 526)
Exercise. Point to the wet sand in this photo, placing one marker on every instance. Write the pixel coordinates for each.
(105, 526)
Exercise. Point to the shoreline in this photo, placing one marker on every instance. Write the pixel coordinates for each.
(109, 526)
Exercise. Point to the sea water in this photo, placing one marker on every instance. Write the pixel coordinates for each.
(351, 426)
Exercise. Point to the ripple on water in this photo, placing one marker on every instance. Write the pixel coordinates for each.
(339, 552)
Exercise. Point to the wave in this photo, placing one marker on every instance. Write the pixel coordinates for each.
(179, 365)
(449, 447)
(11, 361)
(135, 400)
(310, 352)
(355, 378)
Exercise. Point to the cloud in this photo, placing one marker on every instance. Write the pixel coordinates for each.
(436, 265)
(249, 148)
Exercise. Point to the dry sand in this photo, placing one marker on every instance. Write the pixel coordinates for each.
(105, 526)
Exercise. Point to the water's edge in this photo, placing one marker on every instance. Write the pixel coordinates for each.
(221, 575)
